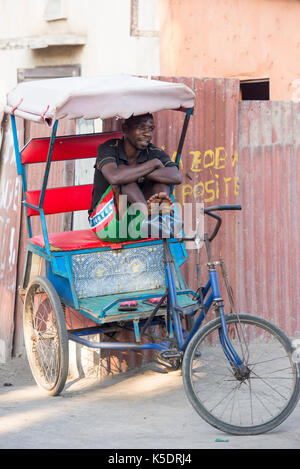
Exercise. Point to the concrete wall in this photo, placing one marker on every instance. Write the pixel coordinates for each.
(243, 39)
(115, 36)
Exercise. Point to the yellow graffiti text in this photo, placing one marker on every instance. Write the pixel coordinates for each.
(209, 191)
(214, 159)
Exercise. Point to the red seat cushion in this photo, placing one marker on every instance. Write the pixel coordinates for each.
(73, 240)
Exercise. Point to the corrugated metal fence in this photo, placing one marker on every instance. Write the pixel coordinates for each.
(269, 228)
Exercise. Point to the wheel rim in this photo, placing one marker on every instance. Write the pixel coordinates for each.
(250, 399)
(42, 337)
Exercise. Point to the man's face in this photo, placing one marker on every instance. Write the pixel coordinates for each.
(140, 132)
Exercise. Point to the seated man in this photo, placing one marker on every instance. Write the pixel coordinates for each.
(135, 168)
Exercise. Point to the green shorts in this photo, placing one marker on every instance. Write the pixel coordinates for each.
(107, 226)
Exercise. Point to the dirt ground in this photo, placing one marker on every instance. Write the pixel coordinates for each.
(137, 409)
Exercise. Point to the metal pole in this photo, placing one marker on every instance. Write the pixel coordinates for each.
(20, 169)
(48, 164)
(188, 114)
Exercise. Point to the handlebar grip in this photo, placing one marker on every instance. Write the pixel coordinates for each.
(222, 207)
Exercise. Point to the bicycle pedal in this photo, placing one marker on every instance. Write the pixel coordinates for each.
(171, 364)
(170, 354)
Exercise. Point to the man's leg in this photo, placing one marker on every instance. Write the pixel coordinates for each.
(132, 210)
(161, 209)
(154, 196)
(133, 193)
(156, 193)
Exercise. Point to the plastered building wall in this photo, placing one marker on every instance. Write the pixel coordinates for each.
(245, 39)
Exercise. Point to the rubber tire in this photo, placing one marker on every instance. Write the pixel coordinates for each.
(209, 418)
(63, 348)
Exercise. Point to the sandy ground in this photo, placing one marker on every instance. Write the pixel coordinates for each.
(137, 409)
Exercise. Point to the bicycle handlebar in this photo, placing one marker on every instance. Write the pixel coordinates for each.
(222, 207)
(210, 211)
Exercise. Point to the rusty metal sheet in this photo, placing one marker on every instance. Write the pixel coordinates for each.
(10, 203)
(209, 163)
(269, 229)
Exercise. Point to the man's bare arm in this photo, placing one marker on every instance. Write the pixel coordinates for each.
(123, 174)
(166, 175)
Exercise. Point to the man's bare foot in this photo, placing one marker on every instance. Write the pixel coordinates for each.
(159, 203)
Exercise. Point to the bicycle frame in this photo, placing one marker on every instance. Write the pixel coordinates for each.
(212, 290)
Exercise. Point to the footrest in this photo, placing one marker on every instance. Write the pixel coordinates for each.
(128, 306)
(103, 309)
(154, 301)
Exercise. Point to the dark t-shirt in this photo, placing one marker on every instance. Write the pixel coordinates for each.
(113, 151)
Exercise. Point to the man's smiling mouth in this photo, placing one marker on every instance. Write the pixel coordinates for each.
(144, 141)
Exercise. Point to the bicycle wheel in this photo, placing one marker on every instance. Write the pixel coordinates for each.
(254, 401)
(45, 336)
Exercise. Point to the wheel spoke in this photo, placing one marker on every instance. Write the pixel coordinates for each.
(45, 336)
(269, 385)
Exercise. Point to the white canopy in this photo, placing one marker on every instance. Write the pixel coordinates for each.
(95, 97)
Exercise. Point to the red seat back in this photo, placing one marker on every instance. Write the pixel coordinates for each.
(61, 199)
(71, 147)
